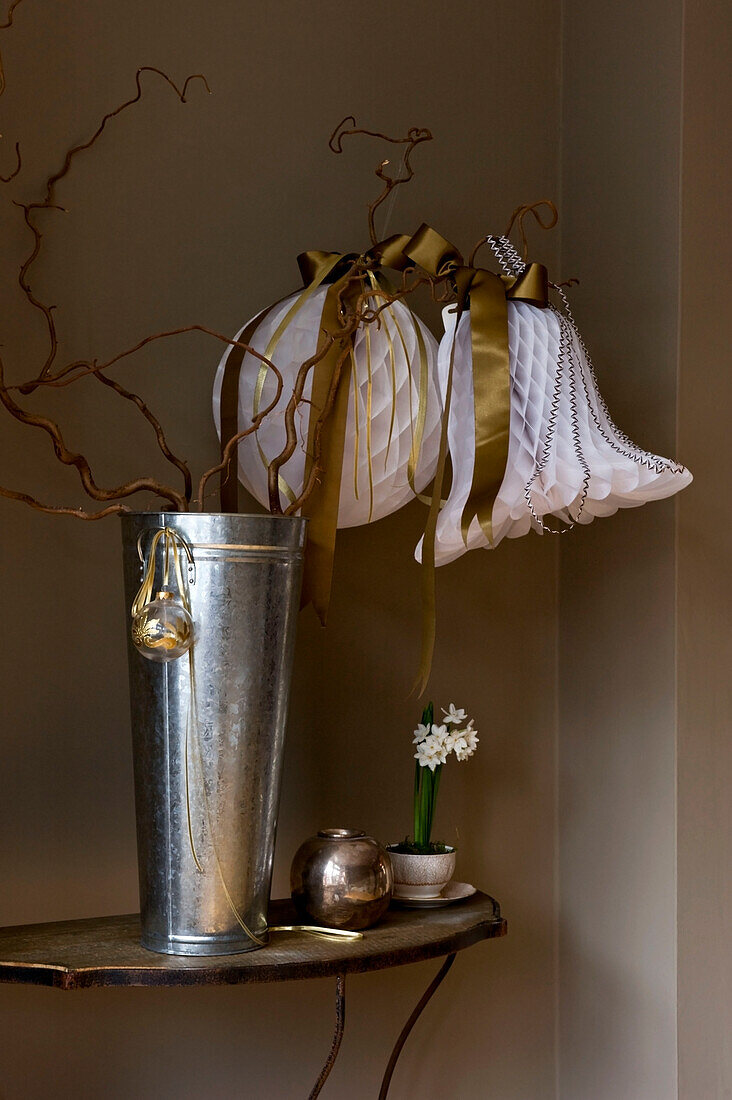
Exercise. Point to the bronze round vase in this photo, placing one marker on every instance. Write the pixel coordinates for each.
(341, 878)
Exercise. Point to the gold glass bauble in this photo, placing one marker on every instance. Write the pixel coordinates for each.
(163, 629)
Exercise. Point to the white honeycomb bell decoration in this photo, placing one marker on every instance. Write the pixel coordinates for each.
(383, 410)
(567, 461)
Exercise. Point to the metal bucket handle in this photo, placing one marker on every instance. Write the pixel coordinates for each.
(183, 542)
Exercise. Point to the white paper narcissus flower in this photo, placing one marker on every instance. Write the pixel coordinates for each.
(431, 752)
(425, 757)
(435, 742)
(471, 736)
(420, 733)
(466, 742)
(441, 735)
(454, 715)
(458, 743)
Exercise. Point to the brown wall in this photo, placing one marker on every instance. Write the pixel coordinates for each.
(617, 755)
(704, 550)
(645, 704)
(195, 213)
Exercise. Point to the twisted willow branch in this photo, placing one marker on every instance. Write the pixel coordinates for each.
(14, 173)
(414, 137)
(137, 401)
(3, 27)
(78, 369)
(47, 203)
(57, 510)
(80, 463)
(364, 312)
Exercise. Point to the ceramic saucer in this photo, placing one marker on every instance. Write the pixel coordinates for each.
(454, 891)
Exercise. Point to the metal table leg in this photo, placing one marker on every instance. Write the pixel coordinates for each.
(337, 1037)
(426, 996)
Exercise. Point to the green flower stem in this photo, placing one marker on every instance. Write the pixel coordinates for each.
(433, 802)
(424, 791)
(426, 786)
(417, 784)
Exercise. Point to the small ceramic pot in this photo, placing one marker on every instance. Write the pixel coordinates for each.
(341, 878)
(421, 876)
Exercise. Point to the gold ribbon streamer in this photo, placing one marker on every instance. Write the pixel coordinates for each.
(429, 607)
(484, 294)
(491, 391)
(321, 507)
(333, 369)
(317, 930)
(172, 542)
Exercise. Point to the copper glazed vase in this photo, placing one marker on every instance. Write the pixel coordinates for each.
(341, 878)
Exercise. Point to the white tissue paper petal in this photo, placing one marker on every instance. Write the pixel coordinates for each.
(395, 381)
(566, 458)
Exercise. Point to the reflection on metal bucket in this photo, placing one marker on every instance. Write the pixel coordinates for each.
(208, 731)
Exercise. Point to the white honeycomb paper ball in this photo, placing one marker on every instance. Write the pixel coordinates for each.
(394, 401)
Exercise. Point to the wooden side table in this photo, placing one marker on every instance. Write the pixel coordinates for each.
(106, 951)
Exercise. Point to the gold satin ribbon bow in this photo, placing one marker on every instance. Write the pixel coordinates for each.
(336, 270)
(485, 295)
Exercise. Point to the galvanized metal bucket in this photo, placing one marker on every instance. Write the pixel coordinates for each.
(208, 730)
